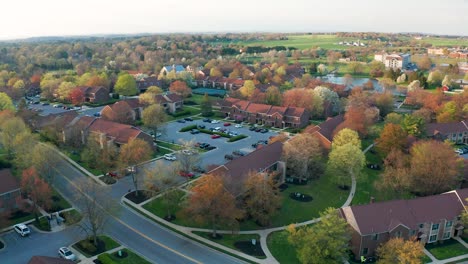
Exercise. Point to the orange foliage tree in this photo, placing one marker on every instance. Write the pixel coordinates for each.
(180, 88)
(37, 190)
(133, 153)
(392, 137)
(77, 96)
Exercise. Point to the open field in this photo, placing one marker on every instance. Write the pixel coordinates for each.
(302, 42)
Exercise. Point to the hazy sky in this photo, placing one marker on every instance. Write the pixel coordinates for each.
(27, 18)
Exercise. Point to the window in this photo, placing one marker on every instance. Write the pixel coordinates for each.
(447, 235)
(398, 234)
(421, 225)
(364, 251)
(432, 238)
(435, 226)
(375, 236)
(448, 224)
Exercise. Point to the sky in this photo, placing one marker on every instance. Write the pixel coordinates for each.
(32, 18)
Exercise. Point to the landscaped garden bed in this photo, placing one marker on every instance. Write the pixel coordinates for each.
(241, 243)
(43, 224)
(141, 197)
(301, 197)
(87, 248)
(126, 256)
(71, 217)
(107, 179)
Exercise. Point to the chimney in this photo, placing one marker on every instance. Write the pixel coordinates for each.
(372, 199)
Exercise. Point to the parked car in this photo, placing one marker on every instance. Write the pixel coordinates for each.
(169, 157)
(258, 129)
(215, 136)
(201, 126)
(112, 174)
(97, 114)
(252, 128)
(459, 151)
(186, 174)
(204, 145)
(238, 126)
(181, 121)
(22, 229)
(206, 120)
(188, 119)
(215, 122)
(227, 124)
(194, 131)
(198, 169)
(66, 253)
(229, 157)
(261, 141)
(238, 153)
(187, 152)
(210, 148)
(217, 129)
(264, 130)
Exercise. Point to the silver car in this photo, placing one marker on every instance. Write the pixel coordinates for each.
(66, 253)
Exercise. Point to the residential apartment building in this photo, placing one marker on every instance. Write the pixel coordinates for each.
(394, 61)
(325, 130)
(456, 132)
(263, 114)
(427, 219)
(94, 94)
(220, 83)
(435, 51)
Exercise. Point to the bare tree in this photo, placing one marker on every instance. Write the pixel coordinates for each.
(188, 157)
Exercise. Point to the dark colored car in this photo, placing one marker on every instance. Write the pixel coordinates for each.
(210, 148)
(207, 120)
(188, 119)
(229, 157)
(258, 129)
(264, 131)
(181, 121)
(252, 128)
(262, 142)
(204, 145)
(194, 131)
(201, 126)
(238, 153)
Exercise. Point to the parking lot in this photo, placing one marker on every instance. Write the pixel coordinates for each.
(47, 109)
(216, 156)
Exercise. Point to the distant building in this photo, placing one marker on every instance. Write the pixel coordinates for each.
(394, 60)
(94, 94)
(456, 132)
(435, 51)
(176, 68)
(463, 67)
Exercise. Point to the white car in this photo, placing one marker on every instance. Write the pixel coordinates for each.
(66, 253)
(187, 152)
(22, 229)
(217, 129)
(238, 126)
(215, 122)
(169, 157)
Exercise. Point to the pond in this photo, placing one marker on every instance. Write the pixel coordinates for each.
(355, 81)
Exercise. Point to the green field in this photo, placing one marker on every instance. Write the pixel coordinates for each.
(443, 42)
(302, 42)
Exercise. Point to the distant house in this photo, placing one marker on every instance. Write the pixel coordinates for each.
(263, 114)
(10, 192)
(435, 51)
(428, 219)
(325, 130)
(220, 83)
(146, 82)
(394, 61)
(121, 112)
(462, 67)
(94, 94)
(455, 131)
(170, 101)
(266, 159)
(172, 68)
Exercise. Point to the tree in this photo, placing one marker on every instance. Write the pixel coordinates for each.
(424, 63)
(435, 78)
(273, 96)
(77, 96)
(303, 156)
(10, 128)
(133, 153)
(432, 171)
(6, 103)
(261, 197)
(153, 117)
(37, 190)
(414, 85)
(392, 137)
(398, 250)
(384, 102)
(64, 90)
(447, 81)
(22, 145)
(306, 98)
(188, 157)
(328, 96)
(447, 113)
(344, 162)
(395, 177)
(206, 106)
(355, 67)
(211, 203)
(394, 118)
(126, 85)
(154, 90)
(180, 88)
(413, 125)
(97, 155)
(346, 136)
(44, 159)
(327, 241)
(248, 89)
(95, 206)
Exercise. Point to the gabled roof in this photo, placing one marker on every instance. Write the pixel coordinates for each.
(326, 128)
(132, 102)
(178, 68)
(8, 182)
(385, 216)
(121, 133)
(59, 119)
(446, 128)
(294, 111)
(258, 108)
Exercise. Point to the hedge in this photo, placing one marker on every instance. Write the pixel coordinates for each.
(239, 137)
(181, 113)
(206, 131)
(188, 128)
(105, 258)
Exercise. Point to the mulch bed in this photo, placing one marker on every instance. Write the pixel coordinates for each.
(247, 248)
(101, 247)
(296, 181)
(344, 188)
(142, 196)
(301, 197)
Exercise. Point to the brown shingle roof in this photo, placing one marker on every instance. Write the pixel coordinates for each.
(258, 108)
(446, 128)
(326, 128)
(8, 182)
(385, 216)
(48, 260)
(295, 111)
(121, 133)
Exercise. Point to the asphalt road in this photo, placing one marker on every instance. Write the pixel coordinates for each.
(148, 239)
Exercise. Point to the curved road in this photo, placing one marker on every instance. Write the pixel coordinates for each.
(148, 239)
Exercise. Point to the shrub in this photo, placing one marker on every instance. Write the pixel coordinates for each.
(188, 128)
(88, 246)
(115, 96)
(181, 113)
(105, 258)
(236, 138)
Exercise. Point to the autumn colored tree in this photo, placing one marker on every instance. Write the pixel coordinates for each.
(154, 90)
(327, 241)
(77, 96)
(248, 89)
(304, 157)
(6, 103)
(126, 85)
(133, 153)
(392, 137)
(346, 136)
(206, 106)
(395, 178)
(153, 117)
(424, 63)
(180, 88)
(261, 197)
(44, 158)
(384, 102)
(211, 203)
(433, 172)
(447, 113)
(413, 125)
(37, 190)
(394, 118)
(306, 98)
(359, 118)
(344, 162)
(22, 145)
(398, 250)
(273, 96)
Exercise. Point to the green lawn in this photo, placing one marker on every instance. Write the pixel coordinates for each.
(168, 145)
(20, 218)
(450, 248)
(426, 259)
(443, 42)
(193, 111)
(303, 42)
(161, 152)
(228, 240)
(281, 249)
(76, 157)
(456, 262)
(131, 258)
(197, 99)
(43, 224)
(71, 217)
(109, 244)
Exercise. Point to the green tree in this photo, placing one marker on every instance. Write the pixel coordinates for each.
(153, 117)
(206, 107)
(398, 250)
(394, 118)
(344, 162)
(6, 103)
(126, 85)
(9, 130)
(324, 242)
(413, 125)
(346, 136)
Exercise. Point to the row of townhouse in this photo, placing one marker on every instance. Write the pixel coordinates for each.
(427, 219)
(220, 83)
(456, 132)
(263, 114)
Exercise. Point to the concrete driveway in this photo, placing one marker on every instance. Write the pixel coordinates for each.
(216, 156)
